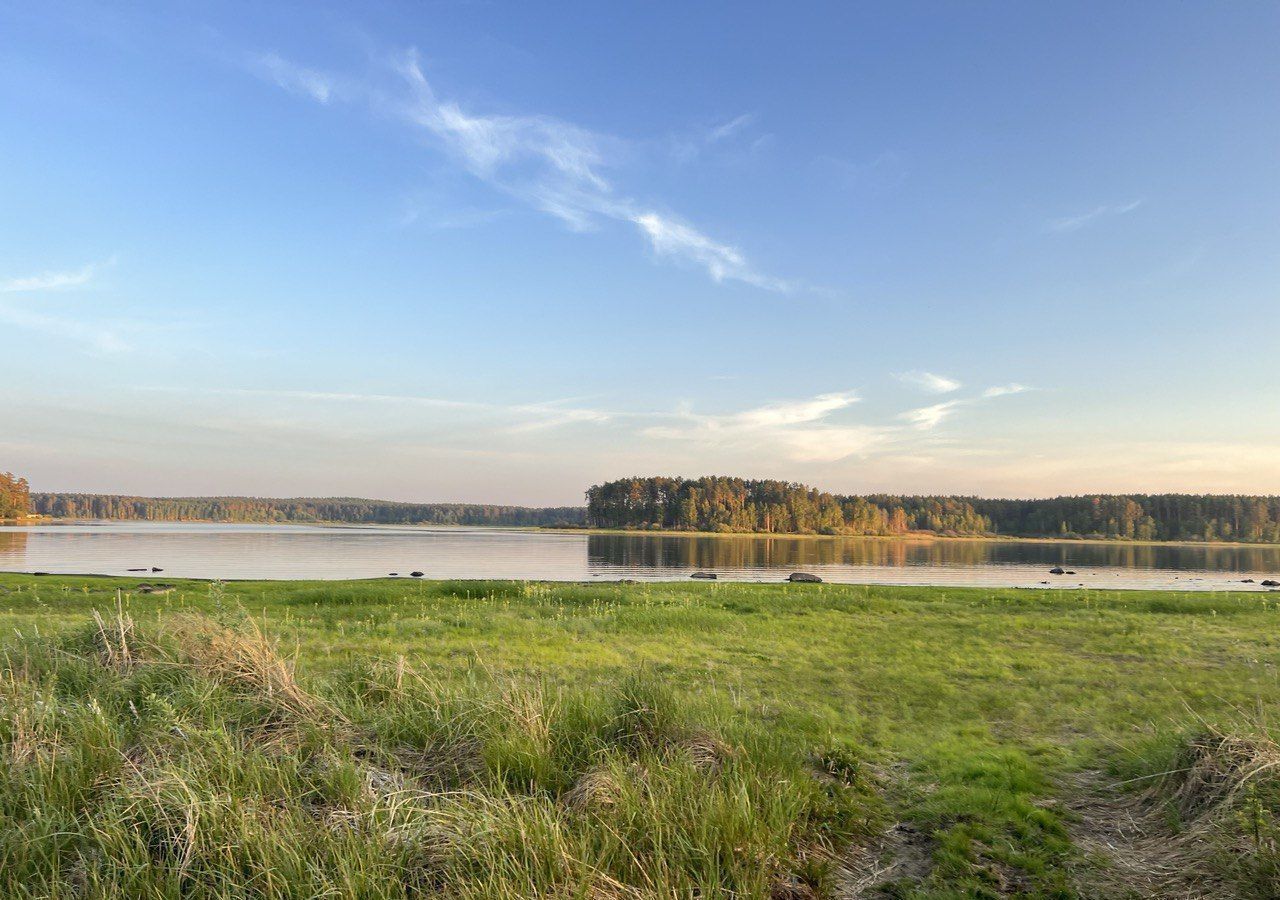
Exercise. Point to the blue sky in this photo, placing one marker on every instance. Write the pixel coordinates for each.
(498, 252)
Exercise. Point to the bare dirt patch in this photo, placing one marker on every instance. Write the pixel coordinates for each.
(903, 853)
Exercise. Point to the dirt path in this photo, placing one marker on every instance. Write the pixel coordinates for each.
(1130, 852)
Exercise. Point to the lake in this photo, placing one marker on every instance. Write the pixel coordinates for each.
(232, 551)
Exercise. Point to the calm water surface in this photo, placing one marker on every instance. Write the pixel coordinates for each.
(299, 551)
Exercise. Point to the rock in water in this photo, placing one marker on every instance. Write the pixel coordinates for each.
(1057, 570)
(415, 574)
(708, 575)
(1268, 583)
(804, 577)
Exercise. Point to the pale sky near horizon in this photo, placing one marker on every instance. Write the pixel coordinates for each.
(497, 252)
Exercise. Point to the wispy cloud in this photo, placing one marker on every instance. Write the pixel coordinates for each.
(797, 428)
(669, 237)
(1004, 390)
(554, 166)
(1075, 223)
(98, 337)
(730, 128)
(821, 429)
(927, 417)
(521, 417)
(794, 412)
(294, 78)
(689, 146)
(928, 381)
(49, 281)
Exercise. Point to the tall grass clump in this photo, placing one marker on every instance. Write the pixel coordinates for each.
(188, 758)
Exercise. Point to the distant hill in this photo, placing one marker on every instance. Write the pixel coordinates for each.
(298, 509)
(717, 503)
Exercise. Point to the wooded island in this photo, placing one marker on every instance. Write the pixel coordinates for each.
(780, 507)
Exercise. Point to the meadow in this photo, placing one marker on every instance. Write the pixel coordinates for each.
(407, 738)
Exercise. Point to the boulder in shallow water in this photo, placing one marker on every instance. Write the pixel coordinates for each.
(710, 576)
(415, 574)
(1271, 583)
(1057, 570)
(804, 578)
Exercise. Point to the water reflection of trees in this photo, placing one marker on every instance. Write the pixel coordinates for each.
(13, 549)
(751, 551)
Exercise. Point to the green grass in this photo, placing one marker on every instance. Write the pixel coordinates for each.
(500, 739)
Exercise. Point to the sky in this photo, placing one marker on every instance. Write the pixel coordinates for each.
(498, 252)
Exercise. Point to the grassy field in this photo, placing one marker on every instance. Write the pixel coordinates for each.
(497, 739)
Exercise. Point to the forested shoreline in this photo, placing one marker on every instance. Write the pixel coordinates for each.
(722, 504)
(299, 509)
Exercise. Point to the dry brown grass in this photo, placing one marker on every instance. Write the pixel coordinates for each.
(707, 752)
(30, 741)
(173, 806)
(1215, 768)
(1130, 850)
(247, 659)
(791, 888)
(116, 636)
(602, 887)
(593, 790)
(441, 767)
(242, 659)
(531, 711)
(1161, 842)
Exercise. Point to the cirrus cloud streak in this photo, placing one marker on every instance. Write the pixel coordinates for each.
(554, 166)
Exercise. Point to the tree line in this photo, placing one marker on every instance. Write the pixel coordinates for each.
(15, 496)
(304, 509)
(723, 504)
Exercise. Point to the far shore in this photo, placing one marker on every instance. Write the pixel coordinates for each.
(921, 536)
(914, 536)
